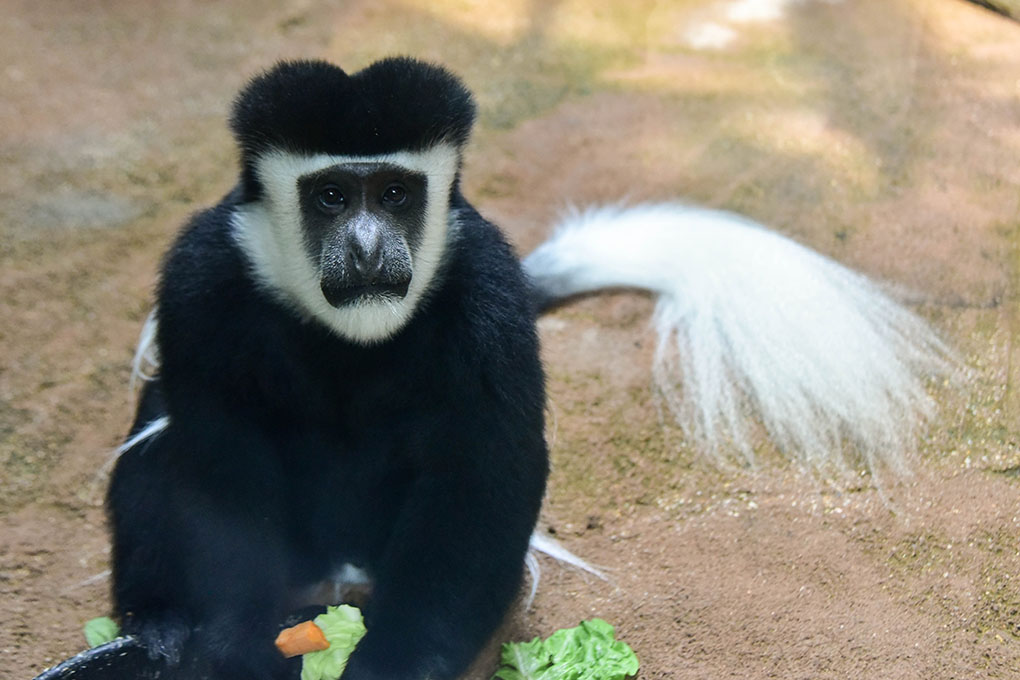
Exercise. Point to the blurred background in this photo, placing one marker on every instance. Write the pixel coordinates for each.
(883, 133)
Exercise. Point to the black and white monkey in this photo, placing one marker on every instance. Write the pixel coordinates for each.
(349, 388)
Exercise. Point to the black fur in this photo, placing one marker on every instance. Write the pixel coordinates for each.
(315, 107)
(291, 451)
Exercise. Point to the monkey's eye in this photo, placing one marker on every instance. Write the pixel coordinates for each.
(394, 194)
(331, 198)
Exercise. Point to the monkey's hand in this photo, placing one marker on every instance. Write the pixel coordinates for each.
(163, 637)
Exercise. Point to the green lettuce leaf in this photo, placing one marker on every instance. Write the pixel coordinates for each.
(100, 630)
(587, 652)
(344, 628)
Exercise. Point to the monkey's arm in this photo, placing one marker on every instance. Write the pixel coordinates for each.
(198, 561)
(455, 559)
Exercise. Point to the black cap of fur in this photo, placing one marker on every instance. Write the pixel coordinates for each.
(396, 104)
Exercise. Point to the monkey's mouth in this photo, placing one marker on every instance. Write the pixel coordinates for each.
(340, 296)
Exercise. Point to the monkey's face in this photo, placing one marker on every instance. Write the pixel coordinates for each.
(352, 241)
(361, 223)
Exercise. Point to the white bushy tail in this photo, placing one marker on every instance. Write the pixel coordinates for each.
(752, 325)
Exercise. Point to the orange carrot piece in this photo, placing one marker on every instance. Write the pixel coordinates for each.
(301, 639)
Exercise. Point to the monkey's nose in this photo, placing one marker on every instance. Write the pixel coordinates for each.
(365, 256)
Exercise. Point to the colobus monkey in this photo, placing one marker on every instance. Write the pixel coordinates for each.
(349, 389)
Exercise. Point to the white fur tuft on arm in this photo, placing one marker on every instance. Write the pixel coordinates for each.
(753, 326)
(145, 364)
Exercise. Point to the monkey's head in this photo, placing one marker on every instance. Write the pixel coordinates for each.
(346, 183)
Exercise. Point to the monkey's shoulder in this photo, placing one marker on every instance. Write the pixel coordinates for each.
(485, 315)
(486, 280)
(212, 315)
(204, 261)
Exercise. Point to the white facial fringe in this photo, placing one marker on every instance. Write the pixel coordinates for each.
(269, 232)
(753, 325)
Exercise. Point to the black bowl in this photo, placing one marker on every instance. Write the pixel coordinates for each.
(121, 659)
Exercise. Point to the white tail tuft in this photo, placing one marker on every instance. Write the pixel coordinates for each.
(543, 544)
(531, 562)
(151, 429)
(145, 364)
(753, 325)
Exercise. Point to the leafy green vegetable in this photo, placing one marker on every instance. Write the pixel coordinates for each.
(587, 652)
(343, 627)
(100, 630)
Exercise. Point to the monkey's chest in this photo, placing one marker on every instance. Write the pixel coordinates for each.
(343, 499)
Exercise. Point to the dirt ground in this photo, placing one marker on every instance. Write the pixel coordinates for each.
(884, 133)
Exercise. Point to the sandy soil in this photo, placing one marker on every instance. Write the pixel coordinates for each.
(881, 132)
